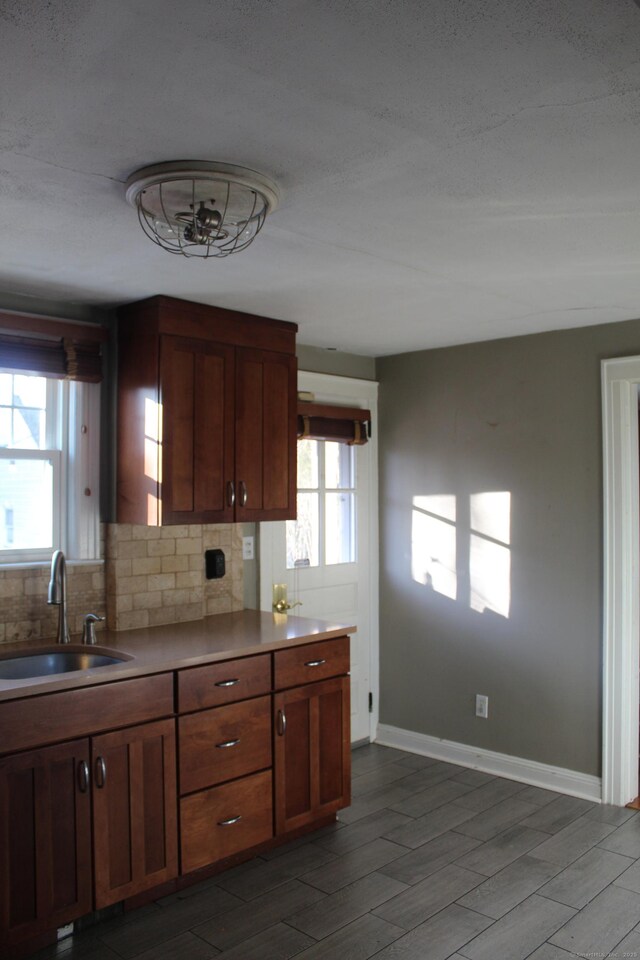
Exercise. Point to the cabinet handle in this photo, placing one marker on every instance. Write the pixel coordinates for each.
(101, 772)
(83, 776)
(243, 494)
(231, 493)
(314, 663)
(227, 743)
(281, 724)
(229, 822)
(227, 683)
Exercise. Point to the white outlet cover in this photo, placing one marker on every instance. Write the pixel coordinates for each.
(247, 548)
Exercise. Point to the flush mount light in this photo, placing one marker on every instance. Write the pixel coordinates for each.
(199, 208)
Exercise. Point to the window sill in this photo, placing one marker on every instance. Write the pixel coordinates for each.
(45, 564)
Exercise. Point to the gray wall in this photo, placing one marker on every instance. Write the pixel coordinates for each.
(520, 415)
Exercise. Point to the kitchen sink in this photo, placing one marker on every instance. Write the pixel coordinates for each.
(49, 661)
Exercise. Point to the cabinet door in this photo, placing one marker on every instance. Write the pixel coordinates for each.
(312, 762)
(134, 809)
(197, 431)
(45, 840)
(266, 407)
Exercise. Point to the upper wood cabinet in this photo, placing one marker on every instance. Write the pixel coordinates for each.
(206, 415)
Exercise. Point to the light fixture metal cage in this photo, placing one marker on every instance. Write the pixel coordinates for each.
(201, 208)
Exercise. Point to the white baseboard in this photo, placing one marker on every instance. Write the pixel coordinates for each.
(500, 764)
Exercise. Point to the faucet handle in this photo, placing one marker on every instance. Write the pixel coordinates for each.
(89, 628)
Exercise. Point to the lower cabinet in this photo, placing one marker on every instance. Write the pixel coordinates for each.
(312, 752)
(45, 840)
(49, 867)
(134, 810)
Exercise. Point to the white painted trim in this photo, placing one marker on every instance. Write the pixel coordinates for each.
(621, 613)
(500, 764)
(351, 391)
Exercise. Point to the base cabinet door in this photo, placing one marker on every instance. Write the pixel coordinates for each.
(312, 756)
(135, 810)
(45, 840)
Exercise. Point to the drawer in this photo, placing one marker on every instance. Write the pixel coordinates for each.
(224, 743)
(218, 683)
(310, 661)
(217, 823)
(36, 721)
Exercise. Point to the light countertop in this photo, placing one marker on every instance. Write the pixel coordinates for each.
(174, 646)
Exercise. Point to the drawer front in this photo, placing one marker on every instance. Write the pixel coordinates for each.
(218, 683)
(224, 743)
(36, 721)
(310, 662)
(225, 820)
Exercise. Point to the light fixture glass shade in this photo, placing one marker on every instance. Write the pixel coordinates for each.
(199, 208)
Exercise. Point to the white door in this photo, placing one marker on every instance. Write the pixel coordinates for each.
(328, 556)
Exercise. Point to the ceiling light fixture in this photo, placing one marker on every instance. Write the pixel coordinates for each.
(199, 208)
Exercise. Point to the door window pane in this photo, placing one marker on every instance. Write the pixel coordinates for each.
(339, 528)
(308, 464)
(303, 534)
(338, 466)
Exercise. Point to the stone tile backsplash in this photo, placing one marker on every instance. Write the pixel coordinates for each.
(150, 575)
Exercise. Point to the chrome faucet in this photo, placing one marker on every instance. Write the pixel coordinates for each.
(57, 594)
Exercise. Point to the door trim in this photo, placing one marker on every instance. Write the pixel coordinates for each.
(353, 392)
(621, 601)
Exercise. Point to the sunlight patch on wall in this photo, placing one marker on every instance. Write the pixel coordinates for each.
(433, 543)
(461, 548)
(490, 552)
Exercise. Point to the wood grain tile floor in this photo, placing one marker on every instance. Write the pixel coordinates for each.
(431, 862)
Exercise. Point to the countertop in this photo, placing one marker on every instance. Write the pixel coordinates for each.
(174, 646)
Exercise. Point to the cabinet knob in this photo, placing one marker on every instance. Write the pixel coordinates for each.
(281, 723)
(229, 822)
(83, 776)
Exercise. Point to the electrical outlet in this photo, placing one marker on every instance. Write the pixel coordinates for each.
(247, 548)
(482, 706)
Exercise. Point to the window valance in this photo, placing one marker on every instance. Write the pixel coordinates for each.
(321, 421)
(51, 348)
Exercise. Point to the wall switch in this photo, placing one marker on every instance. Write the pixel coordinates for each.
(482, 706)
(247, 548)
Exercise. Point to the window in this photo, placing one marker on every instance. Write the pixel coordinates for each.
(48, 468)
(325, 530)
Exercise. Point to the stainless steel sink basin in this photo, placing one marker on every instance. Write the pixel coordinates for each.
(50, 661)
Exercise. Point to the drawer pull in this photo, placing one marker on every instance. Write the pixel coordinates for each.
(243, 494)
(314, 663)
(281, 724)
(229, 822)
(227, 683)
(227, 743)
(101, 772)
(83, 776)
(231, 493)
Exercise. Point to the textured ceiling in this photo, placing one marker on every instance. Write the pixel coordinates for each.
(451, 170)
